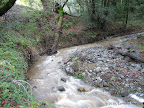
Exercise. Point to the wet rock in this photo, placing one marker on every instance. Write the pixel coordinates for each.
(83, 74)
(139, 89)
(59, 62)
(97, 69)
(138, 67)
(124, 94)
(142, 70)
(141, 83)
(81, 89)
(92, 60)
(105, 84)
(104, 69)
(106, 88)
(118, 46)
(102, 72)
(69, 70)
(54, 89)
(100, 59)
(133, 65)
(63, 79)
(98, 79)
(34, 87)
(131, 85)
(121, 76)
(114, 66)
(61, 88)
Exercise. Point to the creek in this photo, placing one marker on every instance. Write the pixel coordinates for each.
(52, 85)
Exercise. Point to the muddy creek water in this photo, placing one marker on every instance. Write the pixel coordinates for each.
(45, 78)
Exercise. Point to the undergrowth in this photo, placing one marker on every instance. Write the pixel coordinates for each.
(14, 58)
(19, 42)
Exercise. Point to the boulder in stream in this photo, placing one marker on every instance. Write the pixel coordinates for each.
(61, 88)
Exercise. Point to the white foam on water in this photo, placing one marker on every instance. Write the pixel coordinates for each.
(139, 99)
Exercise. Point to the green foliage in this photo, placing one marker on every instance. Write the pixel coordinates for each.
(76, 58)
(12, 67)
(3, 2)
(35, 4)
(66, 25)
(16, 43)
(97, 14)
(79, 76)
(89, 35)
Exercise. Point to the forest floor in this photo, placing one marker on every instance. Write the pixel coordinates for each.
(75, 31)
(26, 32)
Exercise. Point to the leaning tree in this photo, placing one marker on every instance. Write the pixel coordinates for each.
(5, 6)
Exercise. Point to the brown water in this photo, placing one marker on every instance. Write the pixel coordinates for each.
(46, 76)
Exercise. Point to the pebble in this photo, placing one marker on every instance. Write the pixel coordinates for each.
(105, 84)
(61, 88)
(54, 89)
(98, 69)
(138, 67)
(121, 76)
(34, 87)
(133, 65)
(63, 79)
(81, 89)
(100, 59)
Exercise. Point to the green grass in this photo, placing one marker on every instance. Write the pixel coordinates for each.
(16, 45)
(14, 91)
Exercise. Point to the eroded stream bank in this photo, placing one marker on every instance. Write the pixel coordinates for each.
(51, 84)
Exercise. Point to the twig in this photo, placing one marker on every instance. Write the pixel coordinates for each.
(18, 82)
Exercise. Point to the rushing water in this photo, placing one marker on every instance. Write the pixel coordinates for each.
(45, 77)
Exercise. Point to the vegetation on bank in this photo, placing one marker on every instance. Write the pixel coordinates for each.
(18, 46)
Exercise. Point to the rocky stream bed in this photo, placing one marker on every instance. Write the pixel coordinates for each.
(104, 68)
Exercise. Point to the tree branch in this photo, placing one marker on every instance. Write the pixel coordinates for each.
(126, 54)
(5, 8)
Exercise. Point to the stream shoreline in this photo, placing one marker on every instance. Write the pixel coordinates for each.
(103, 68)
(53, 81)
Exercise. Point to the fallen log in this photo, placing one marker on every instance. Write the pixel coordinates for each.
(126, 54)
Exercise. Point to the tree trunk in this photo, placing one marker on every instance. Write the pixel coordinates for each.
(127, 12)
(47, 4)
(54, 47)
(56, 40)
(93, 11)
(108, 3)
(4, 9)
(69, 10)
